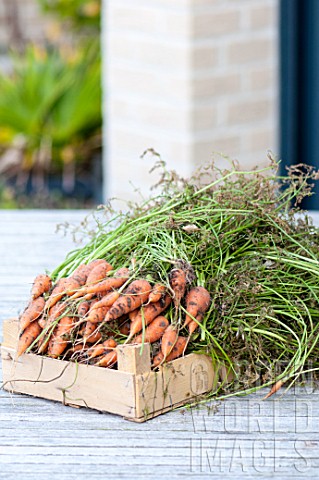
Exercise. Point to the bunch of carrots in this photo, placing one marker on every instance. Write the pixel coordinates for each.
(84, 316)
(229, 268)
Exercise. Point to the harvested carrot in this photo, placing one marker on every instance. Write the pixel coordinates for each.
(178, 284)
(154, 331)
(94, 337)
(42, 321)
(157, 293)
(29, 335)
(108, 360)
(102, 348)
(133, 297)
(59, 341)
(107, 300)
(42, 284)
(94, 263)
(54, 313)
(104, 286)
(65, 286)
(169, 340)
(32, 312)
(80, 347)
(98, 273)
(132, 315)
(124, 328)
(147, 314)
(97, 315)
(81, 273)
(83, 308)
(197, 303)
(277, 386)
(177, 351)
(91, 333)
(193, 325)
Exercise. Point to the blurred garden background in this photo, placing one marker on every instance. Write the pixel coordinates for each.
(195, 80)
(50, 103)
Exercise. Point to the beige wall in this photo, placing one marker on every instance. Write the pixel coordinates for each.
(188, 78)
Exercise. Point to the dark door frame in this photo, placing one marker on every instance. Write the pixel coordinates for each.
(299, 86)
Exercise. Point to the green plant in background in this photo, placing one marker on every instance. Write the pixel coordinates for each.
(50, 113)
(81, 14)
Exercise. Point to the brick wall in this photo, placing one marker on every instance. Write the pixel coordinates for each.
(188, 78)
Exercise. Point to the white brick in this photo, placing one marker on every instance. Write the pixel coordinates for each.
(216, 85)
(160, 116)
(150, 20)
(148, 83)
(204, 117)
(249, 111)
(205, 58)
(251, 50)
(215, 24)
(263, 16)
(149, 53)
(263, 78)
(189, 78)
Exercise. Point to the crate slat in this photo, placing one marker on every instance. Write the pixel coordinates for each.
(133, 391)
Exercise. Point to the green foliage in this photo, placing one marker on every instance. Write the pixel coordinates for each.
(52, 101)
(79, 13)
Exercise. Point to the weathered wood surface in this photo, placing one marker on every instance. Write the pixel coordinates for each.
(237, 438)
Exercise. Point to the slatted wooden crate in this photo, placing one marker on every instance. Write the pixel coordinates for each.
(133, 390)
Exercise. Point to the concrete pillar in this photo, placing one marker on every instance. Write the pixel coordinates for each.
(186, 78)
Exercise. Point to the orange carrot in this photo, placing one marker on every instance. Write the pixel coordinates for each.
(32, 312)
(91, 333)
(98, 273)
(65, 286)
(197, 303)
(42, 321)
(157, 293)
(80, 347)
(277, 386)
(169, 339)
(124, 328)
(154, 331)
(132, 315)
(94, 263)
(177, 351)
(193, 325)
(133, 297)
(108, 360)
(42, 284)
(83, 308)
(81, 273)
(178, 284)
(29, 335)
(104, 286)
(54, 313)
(59, 341)
(107, 300)
(102, 348)
(147, 314)
(97, 315)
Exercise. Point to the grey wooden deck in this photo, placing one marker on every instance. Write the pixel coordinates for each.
(242, 438)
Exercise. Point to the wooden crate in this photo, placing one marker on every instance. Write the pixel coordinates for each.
(133, 390)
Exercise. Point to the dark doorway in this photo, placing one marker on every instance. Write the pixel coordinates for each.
(299, 104)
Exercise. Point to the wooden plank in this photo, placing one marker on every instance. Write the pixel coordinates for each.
(10, 333)
(178, 381)
(69, 383)
(134, 358)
